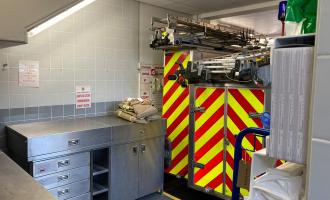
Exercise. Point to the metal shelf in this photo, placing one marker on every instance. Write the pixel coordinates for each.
(98, 169)
(98, 188)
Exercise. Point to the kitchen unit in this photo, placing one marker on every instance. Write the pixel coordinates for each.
(91, 158)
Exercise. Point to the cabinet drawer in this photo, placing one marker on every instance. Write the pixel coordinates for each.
(82, 140)
(82, 197)
(65, 177)
(60, 164)
(71, 190)
(134, 132)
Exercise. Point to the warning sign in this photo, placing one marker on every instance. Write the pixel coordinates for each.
(83, 97)
(28, 73)
(151, 78)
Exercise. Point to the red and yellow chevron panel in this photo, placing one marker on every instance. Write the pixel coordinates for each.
(209, 138)
(241, 102)
(176, 111)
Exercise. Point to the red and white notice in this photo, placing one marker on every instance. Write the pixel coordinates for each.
(83, 97)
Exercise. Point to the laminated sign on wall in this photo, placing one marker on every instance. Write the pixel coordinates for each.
(151, 83)
(28, 73)
(83, 97)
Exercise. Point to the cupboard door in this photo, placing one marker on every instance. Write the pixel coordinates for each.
(151, 166)
(124, 172)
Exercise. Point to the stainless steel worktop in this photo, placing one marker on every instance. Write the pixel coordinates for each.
(37, 129)
(16, 184)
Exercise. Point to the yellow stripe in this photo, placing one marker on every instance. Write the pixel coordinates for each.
(233, 128)
(214, 129)
(173, 98)
(179, 128)
(168, 86)
(219, 188)
(170, 196)
(172, 61)
(210, 176)
(210, 111)
(204, 96)
(170, 83)
(180, 147)
(252, 99)
(240, 112)
(178, 111)
(211, 153)
(182, 164)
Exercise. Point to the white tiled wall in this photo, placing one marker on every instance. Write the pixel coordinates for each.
(97, 46)
(319, 178)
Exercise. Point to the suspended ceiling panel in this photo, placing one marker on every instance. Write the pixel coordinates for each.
(262, 22)
(200, 6)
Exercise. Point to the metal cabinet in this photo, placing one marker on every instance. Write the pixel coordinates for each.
(138, 167)
(151, 163)
(124, 162)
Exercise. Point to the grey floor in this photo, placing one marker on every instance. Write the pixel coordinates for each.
(156, 197)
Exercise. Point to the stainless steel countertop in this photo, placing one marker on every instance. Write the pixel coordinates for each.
(37, 129)
(16, 184)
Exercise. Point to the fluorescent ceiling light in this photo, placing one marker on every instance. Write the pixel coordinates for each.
(54, 20)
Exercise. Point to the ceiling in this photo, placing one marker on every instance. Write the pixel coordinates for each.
(261, 22)
(200, 6)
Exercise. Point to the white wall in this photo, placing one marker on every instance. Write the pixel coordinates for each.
(97, 46)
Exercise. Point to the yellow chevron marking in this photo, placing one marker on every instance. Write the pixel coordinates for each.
(210, 111)
(170, 196)
(204, 96)
(240, 112)
(168, 86)
(229, 171)
(182, 164)
(170, 83)
(219, 188)
(173, 98)
(252, 99)
(178, 111)
(211, 153)
(214, 129)
(185, 62)
(180, 147)
(179, 128)
(172, 62)
(233, 128)
(211, 175)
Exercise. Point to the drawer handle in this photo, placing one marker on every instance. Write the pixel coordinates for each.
(64, 163)
(142, 131)
(73, 142)
(63, 178)
(63, 192)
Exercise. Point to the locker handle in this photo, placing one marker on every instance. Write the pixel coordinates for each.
(63, 192)
(63, 163)
(199, 109)
(135, 149)
(143, 148)
(63, 177)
